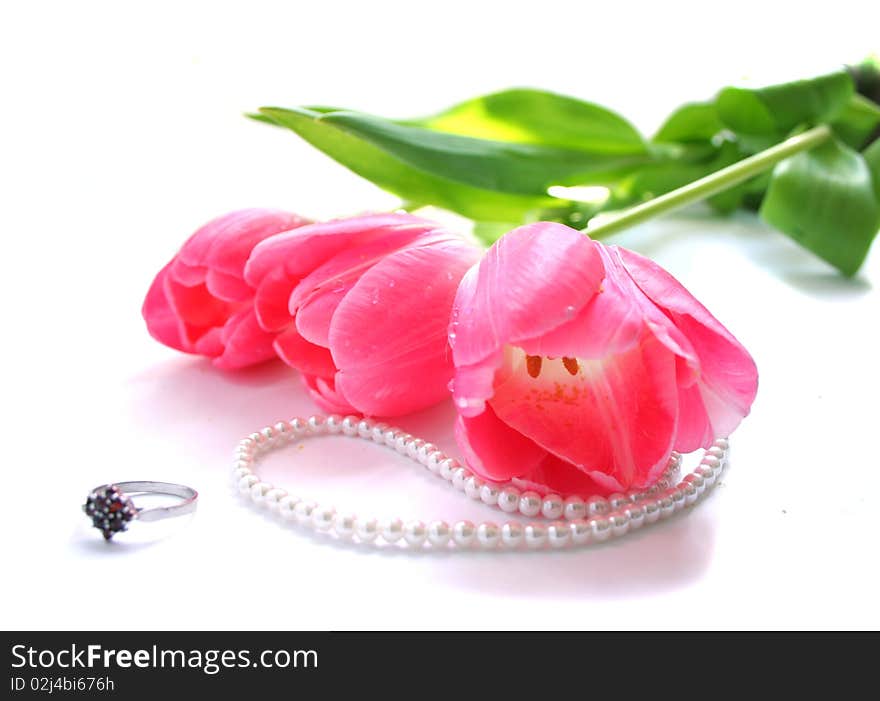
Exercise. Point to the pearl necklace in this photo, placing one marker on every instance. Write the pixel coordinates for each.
(573, 521)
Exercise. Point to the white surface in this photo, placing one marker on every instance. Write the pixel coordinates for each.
(122, 132)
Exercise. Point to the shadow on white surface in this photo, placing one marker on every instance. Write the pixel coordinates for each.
(140, 536)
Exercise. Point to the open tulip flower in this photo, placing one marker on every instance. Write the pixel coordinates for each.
(580, 367)
(360, 306)
(199, 302)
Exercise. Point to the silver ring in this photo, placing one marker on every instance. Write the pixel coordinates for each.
(111, 508)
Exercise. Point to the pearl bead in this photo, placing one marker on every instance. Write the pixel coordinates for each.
(636, 514)
(530, 504)
(401, 442)
(551, 506)
(667, 506)
(424, 451)
(597, 519)
(508, 500)
(282, 432)
(258, 491)
(472, 486)
(459, 475)
(689, 492)
(415, 533)
(697, 480)
(377, 433)
(240, 472)
(581, 532)
(389, 436)
(489, 494)
(392, 530)
(678, 498)
(246, 482)
(574, 508)
(302, 511)
(722, 443)
(350, 425)
(463, 533)
(344, 525)
(619, 523)
(708, 475)
(512, 534)
(412, 448)
(535, 535)
(286, 507)
(716, 452)
(434, 460)
(558, 534)
(618, 501)
(488, 535)
(367, 529)
(601, 528)
(597, 506)
(447, 467)
(272, 497)
(439, 533)
(711, 462)
(323, 518)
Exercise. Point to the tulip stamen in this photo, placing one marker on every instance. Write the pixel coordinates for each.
(533, 365)
(571, 364)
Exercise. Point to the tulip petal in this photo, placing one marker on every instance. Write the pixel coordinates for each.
(611, 322)
(388, 334)
(271, 300)
(301, 251)
(301, 355)
(615, 419)
(244, 342)
(196, 309)
(552, 475)
(228, 287)
(720, 395)
(495, 451)
(225, 243)
(314, 316)
(545, 273)
(343, 269)
(324, 394)
(157, 312)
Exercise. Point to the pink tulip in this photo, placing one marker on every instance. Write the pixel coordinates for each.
(360, 307)
(579, 367)
(199, 302)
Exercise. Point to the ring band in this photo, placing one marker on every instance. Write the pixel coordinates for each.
(111, 508)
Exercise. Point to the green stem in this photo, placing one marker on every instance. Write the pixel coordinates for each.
(709, 185)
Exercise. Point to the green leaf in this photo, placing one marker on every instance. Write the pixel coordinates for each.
(392, 174)
(695, 121)
(778, 109)
(857, 122)
(516, 168)
(872, 160)
(528, 116)
(827, 201)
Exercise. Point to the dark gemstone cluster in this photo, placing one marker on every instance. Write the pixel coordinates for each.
(109, 509)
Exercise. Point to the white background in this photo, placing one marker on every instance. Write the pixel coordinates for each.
(122, 131)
